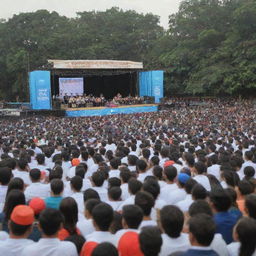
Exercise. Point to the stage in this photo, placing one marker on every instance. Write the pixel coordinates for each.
(103, 111)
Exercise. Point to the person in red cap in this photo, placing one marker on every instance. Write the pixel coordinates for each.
(50, 222)
(20, 226)
(132, 218)
(38, 205)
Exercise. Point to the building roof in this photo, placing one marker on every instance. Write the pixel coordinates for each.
(95, 64)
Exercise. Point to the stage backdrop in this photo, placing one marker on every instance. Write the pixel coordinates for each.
(151, 83)
(40, 89)
(71, 86)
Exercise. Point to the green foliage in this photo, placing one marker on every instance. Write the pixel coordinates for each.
(209, 48)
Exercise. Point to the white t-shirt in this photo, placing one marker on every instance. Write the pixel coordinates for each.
(37, 189)
(86, 227)
(203, 180)
(171, 245)
(50, 247)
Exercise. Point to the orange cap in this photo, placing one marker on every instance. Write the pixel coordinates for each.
(37, 204)
(125, 242)
(75, 162)
(22, 215)
(168, 163)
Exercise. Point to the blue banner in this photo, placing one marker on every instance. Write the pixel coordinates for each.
(151, 84)
(110, 111)
(40, 89)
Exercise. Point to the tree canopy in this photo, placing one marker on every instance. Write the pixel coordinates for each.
(208, 49)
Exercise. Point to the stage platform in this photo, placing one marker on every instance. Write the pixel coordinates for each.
(103, 111)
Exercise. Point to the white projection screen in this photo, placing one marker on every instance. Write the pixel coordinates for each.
(71, 86)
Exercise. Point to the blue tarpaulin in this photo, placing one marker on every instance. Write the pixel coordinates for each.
(110, 111)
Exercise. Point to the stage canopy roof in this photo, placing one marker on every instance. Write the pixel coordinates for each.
(95, 64)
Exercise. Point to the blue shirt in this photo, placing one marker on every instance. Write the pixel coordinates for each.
(198, 252)
(53, 202)
(225, 221)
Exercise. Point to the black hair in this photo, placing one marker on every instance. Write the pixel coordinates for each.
(155, 160)
(77, 240)
(145, 201)
(57, 186)
(189, 158)
(170, 172)
(203, 228)
(35, 174)
(15, 183)
(158, 172)
(98, 178)
(246, 231)
(231, 178)
(134, 186)
(249, 172)
(220, 199)
(80, 171)
(248, 154)
(18, 230)
(104, 249)
(133, 215)
(200, 167)
(116, 223)
(22, 163)
(115, 193)
(115, 162)
(40, 158)
(91, 194)
(172, 220)
(50, 221)
(76, 183)
(90, 204)
(151, 186)
(5, 175)
(250, 204)
(150, 241)
(145, 153)
(141, 165)
(132, 160)
(103, 215)
(125, 175)
(190, 185)
(200, 206)
(198, 192)
(69, 209)
(15, 197)
(114, 182)
(245, 187)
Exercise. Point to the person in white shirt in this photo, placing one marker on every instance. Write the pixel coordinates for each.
(132, 216)
(188, 200)
(172, 220)
(36, 188)
(98, 179)
(50, 221)
(141, 166)
(22, 171)
(114, 164)
(169, 174)
(85, 225)
(146, 202)
(244, 235)
(134, 186)
(199, 170)
(20, 227)
(179, 194)
(125, 175)
(214, 169)
(103, 215)
(132, 159)
(248, 156)
(114, 197)
(76, 185)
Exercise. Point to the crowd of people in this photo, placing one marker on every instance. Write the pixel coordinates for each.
(82, 101)
(176, 182)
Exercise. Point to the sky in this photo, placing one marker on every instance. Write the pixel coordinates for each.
(162, 8)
